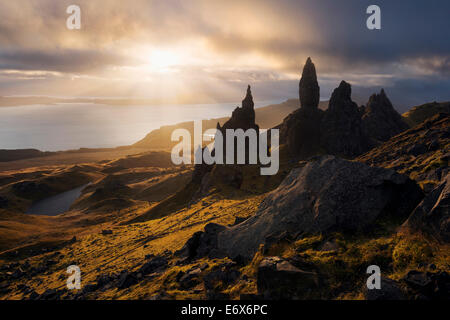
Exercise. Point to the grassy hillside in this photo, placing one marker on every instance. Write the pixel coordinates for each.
(420, 113)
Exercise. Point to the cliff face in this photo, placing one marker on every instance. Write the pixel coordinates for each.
(341, 128)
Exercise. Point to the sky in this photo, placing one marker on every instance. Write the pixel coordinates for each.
(188, 51)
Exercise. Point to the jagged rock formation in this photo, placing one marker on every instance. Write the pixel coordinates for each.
(328, 194)
(432, 215)
(341, 127)
(380, 120)
(241, 118)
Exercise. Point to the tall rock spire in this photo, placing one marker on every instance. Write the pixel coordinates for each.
(248, 100)
(309, 90)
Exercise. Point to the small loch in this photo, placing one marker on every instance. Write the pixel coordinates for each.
(57, 204)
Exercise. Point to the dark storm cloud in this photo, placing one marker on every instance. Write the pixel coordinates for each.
(413, 44)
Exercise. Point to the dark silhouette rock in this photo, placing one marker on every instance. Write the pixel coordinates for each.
(341, 128)
(309, 90)
(279, 279)
(242, 117)
(326, 195)
(202, 244)
(380, 120)
(3, 202)
(390, 290)
(428, 285)
(127, 279)
(156, 264)
(300, 131)
(432, 215)
(189, 279)
(417, 149)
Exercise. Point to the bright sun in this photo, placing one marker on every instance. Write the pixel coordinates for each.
(162, 60)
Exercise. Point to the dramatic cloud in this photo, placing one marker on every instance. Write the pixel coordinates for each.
(138, 47)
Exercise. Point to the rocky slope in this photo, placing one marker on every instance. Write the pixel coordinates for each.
(422, 152)
(325, 195)
(144, 229)
(421, 113)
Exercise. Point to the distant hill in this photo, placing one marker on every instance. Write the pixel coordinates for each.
(420, 113)
(266, 117)
(12, 155)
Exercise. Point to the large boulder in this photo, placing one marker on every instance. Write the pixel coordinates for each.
(432, 214)
(327, 194)
(380, 120)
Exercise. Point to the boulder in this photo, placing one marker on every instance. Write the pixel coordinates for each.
(279, 279)
(432, 214)
(390, 290)
(202, 243)
(127, 279)
(428, 285)
(327, 194)
(155, 264)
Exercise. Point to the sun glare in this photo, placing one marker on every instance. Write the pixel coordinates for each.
(162, 60)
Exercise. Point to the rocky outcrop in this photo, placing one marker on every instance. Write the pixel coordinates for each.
(390, 290)
(300, 131)
(242, 117)
(380, 120)
(325, 195)
(432, 215)
(309, 90)
(202, 244)
(421, 152)
(279, 279)
(427, 285)
(341, 127)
